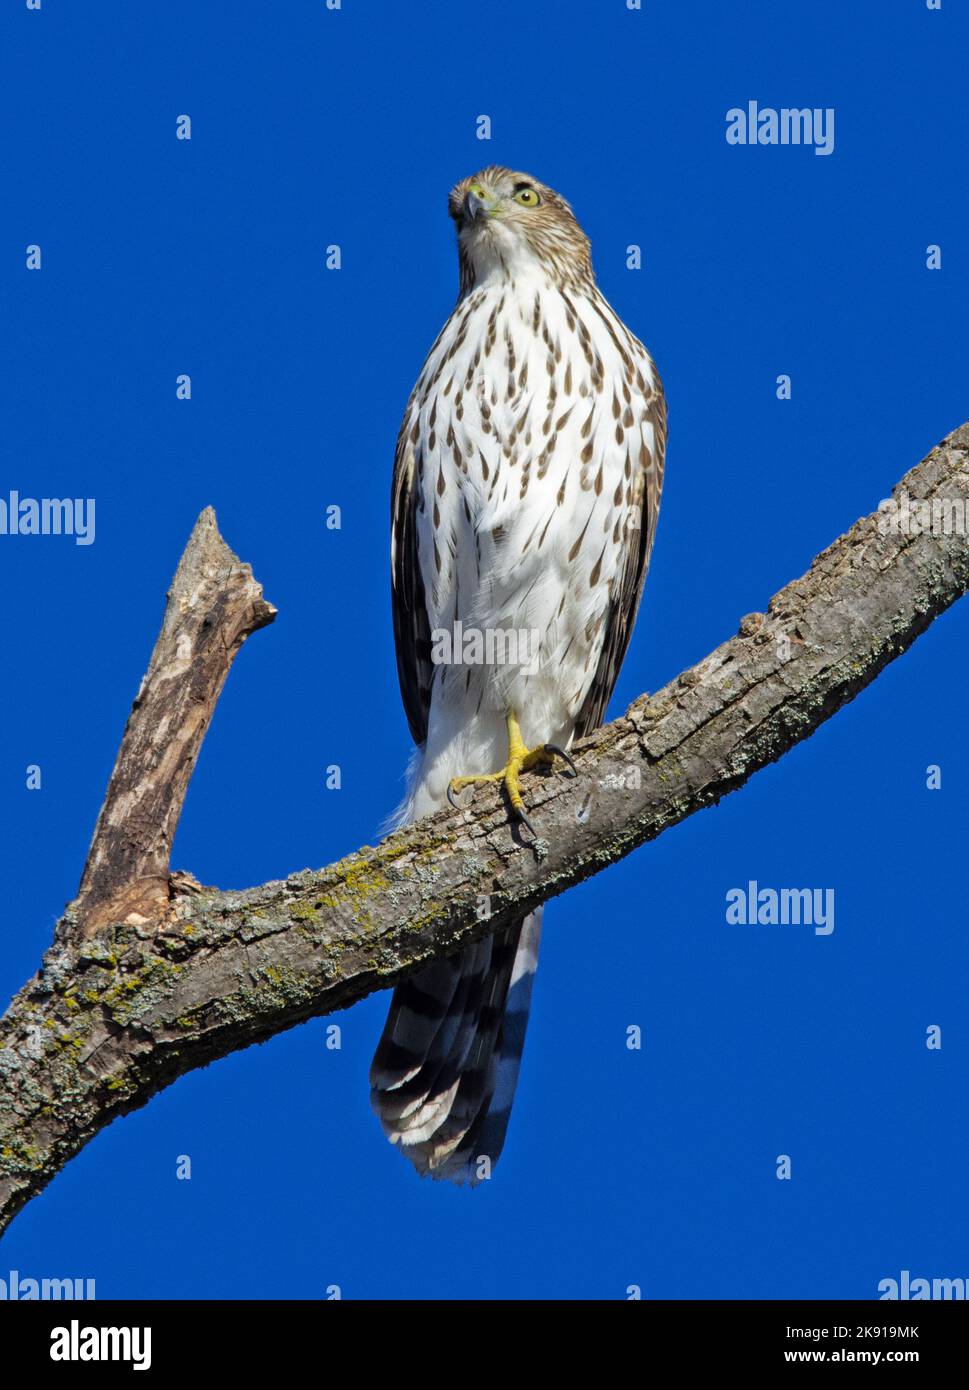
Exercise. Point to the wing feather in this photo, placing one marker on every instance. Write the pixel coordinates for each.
(415, 670)
(628, 588)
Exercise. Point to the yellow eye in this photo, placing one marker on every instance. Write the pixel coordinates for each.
(527, 197)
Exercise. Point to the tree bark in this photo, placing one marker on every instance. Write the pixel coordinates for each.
(213, 605)
(140, 987)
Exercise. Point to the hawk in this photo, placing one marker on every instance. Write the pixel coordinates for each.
(526, 488)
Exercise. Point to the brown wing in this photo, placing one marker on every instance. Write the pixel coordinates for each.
(628, 585)
(415, 670)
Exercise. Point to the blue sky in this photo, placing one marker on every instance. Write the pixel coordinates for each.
(160, 257)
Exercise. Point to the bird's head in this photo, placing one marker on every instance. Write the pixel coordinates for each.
(510, 225)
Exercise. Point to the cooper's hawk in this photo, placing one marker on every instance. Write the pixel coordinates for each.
(526, 489)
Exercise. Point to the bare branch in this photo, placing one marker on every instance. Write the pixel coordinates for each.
(213, 605)
(110, 1020)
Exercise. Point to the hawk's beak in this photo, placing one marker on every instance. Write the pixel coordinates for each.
(479, 202)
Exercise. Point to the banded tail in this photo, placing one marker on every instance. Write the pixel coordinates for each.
(444, 1074)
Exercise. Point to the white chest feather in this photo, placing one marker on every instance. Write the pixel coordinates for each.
(528, 427)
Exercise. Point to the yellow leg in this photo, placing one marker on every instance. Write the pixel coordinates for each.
(520, 759)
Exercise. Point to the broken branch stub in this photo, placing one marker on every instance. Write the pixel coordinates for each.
(213, 605)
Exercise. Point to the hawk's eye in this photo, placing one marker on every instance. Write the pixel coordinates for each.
(527, 197)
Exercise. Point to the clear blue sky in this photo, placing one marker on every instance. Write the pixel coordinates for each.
(206, 257)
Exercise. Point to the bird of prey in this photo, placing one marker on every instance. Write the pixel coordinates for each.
(525, 494)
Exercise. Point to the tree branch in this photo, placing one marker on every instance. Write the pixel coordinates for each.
(123, 1005)
(213, 605)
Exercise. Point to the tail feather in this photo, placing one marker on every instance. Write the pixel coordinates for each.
(444, 1074)
(424, 1018)
(485, 1135)
(439, 1068)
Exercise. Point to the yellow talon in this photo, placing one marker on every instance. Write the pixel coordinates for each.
(520, 759)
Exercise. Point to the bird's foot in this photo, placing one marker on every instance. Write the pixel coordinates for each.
(520, 759)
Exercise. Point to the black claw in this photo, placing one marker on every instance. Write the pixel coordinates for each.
(450, 797)
(561, 753)
(523, 820)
